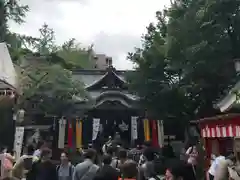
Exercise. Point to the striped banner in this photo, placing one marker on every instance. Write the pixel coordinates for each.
(221, 131)
(78, 134)
(146, 129)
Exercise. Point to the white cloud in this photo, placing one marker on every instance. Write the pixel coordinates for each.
(113, 26)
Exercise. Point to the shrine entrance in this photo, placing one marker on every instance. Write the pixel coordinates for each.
(114, 118)
(115, 121)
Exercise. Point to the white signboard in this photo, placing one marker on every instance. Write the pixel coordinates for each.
(134, 128)
(96, 128)
(18, 141)
(61, 133)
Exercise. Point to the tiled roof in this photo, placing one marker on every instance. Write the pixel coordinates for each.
(218, 117)
(230, 98)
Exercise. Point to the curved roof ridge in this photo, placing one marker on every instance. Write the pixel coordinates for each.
(115, 92)
(123, 102)
(96, 81)
(109, 70)
(123, 80)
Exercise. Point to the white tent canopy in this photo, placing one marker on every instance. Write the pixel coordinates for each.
(7, 70)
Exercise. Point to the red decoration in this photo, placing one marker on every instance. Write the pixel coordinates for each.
(154, 134)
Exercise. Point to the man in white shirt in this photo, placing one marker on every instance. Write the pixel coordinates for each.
(213, 168)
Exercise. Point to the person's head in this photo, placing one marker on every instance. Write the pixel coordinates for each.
(174, 172)
(149, 154)
(194, 149)
(172, 175)
(4, 149)
(64, 158)
(179, 171)
(146, 144)
(107, 159)
(216, 152)
(46, 154)
(90, 154)
(122, 154)
(129, 169)
(30, 149)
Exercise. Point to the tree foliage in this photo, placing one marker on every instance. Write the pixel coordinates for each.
(48, 88)
(10, 10)
(187, 59)
(43, 67)
(46, 78)
(46, 42)
(75, 56)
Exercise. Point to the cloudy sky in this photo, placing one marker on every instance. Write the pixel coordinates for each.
(113, 26)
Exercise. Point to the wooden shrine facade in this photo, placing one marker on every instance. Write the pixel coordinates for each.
(107, 89)
(110, 101)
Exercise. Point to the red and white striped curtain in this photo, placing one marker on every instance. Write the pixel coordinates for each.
(221, 131)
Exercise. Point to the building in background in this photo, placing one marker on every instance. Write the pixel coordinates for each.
(101, 61)
(8, 93)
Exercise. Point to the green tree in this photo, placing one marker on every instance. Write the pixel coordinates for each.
(203, 41)
(192, 63)
(46, 83)
(48, 88)
(46, 43)
(10, 10)
(158, 87)
(45, 77)
(76, 57)
(70, 55)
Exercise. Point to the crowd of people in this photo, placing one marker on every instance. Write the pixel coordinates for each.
(113, 163)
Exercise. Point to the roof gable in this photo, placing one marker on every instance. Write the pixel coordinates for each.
(230, 99)
(110, 80)
(7, 70)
